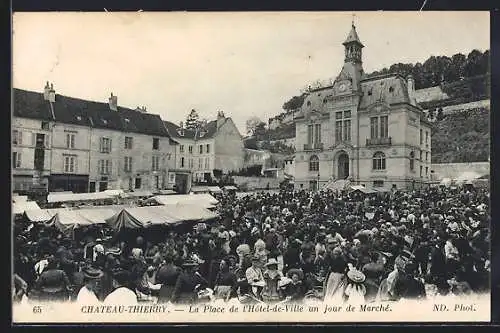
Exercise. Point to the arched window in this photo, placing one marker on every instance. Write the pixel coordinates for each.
(412, 161)
(314, 163)
(379, 161)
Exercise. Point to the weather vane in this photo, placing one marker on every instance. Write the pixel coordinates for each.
(353, 16)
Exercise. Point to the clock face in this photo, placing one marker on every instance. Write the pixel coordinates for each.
(342, 87)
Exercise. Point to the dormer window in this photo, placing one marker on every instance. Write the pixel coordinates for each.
(180, 131)
(202, 133)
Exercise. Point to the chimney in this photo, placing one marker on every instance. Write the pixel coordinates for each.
(46, 91)
(181, 124)
(113, 102)
(220, 119)
(52, 94)
(411, 89)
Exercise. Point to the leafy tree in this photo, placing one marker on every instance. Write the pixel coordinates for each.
(294, 103)
(192, 120)
(254, 124)
(260, 129)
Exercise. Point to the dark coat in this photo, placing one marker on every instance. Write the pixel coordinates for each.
(185, 288)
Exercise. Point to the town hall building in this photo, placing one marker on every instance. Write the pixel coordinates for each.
(362, 131)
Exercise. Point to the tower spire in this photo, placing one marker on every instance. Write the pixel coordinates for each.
(353, 45)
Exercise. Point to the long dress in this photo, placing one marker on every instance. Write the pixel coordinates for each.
(336, 283)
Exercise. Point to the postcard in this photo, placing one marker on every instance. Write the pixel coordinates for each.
(236, 167)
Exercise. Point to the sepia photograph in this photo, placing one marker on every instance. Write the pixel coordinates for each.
(231, 167)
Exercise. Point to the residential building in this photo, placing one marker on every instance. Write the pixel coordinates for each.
(368, 130)
(210, 150)
(90, 146)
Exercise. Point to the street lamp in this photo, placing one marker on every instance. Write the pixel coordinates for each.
(318, 181)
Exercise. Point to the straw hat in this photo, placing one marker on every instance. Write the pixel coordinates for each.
(271, 262)
(356, 276)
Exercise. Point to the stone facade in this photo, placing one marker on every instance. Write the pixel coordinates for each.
(367, 130)
(87, 146)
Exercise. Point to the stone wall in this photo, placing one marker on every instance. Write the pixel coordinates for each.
(453, 170)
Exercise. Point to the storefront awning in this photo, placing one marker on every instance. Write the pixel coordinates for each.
(72, 197)
(22, 206)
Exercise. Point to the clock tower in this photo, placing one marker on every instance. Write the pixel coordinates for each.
(348, 81)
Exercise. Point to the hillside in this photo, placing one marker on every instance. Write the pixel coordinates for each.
(462, 136)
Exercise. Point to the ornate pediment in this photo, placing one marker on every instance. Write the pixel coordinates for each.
(379, 107)
(343, 145)
(314, 115)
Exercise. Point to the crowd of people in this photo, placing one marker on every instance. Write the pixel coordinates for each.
(289, 246)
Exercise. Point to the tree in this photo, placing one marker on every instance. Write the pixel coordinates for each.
(294, 103)
(253, 124)
(192, 120)
(260, 129)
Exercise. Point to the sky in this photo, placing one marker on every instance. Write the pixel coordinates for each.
(245, 64)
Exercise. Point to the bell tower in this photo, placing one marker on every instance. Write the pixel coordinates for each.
(353, 47)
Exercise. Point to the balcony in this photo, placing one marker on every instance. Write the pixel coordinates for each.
(379, 142)
(315, 146)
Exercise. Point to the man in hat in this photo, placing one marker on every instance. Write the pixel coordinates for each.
(123, 293)
(188, 284)
(167, 276)
(255, 276)
(88, 293)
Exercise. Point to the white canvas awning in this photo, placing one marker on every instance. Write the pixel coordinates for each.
(468, 176)
(137, 194)
(214, 189)
(19, 198)
(72, 197)
(22, 206)
(203, 200)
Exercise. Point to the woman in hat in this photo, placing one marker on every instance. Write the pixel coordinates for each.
(272, 277)
(225, 282)
(355, 290)
(188, 284)
(88, 293)
(53, 284)
(294, 290)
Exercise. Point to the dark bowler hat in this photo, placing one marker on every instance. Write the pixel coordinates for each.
(121, 275)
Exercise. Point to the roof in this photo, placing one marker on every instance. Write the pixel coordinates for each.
(210, 130)
(389, 89)
(353, 37)
(74, 111)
